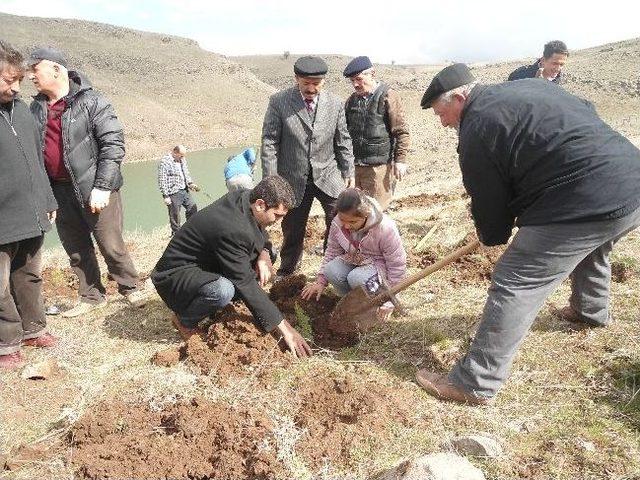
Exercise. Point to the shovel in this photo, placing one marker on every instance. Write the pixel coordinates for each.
(357, 310)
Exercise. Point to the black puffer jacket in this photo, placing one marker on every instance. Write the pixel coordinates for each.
(25, 194)
(92, 137)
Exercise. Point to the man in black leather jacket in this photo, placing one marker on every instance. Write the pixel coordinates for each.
(83, 147)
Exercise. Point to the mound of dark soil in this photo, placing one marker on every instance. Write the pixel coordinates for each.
(473, 268)
(286, 295)
(343, 415)
(233, 346)
(421, 200)
(200, 439)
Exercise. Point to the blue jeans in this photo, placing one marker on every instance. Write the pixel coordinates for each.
(345, 277)
(211, 297)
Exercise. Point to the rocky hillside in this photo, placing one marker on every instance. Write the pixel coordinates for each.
(167, 89)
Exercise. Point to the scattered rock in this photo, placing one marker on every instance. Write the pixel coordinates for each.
(41, 370)
(438, 466)
(166, 358)
(585, 445)
(477, 446)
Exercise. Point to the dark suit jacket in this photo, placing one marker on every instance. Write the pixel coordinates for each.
(291, 140)
(222, 239)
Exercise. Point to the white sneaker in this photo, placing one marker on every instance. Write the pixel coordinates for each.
(137, 298)
(83, 308)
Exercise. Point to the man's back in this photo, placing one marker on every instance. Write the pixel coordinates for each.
(548, 153)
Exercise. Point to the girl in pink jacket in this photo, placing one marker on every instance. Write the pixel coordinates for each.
(363, 242)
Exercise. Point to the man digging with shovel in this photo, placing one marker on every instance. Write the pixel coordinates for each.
(533, 156)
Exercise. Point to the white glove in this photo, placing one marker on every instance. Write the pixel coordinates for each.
(167, 201)
(400, 170)
(99, 199)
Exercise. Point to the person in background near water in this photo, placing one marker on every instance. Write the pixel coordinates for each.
(174, 181)
(379, 132)
(223, 252)
(536, 157)
(363, 242)
(238, 172)
(27, 209)
(305, 140)
(549, 67)
(83, 150)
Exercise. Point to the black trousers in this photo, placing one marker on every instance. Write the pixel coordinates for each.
(294, 225)
(75, 226)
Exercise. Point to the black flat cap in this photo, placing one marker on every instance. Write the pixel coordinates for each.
(357, 65)
(448, 78)
(47, 53)
(313, 67)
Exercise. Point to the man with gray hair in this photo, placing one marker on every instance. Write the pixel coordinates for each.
(83, 147)
(27, 208)
(378, 130)
(174, 181)
(536, 157)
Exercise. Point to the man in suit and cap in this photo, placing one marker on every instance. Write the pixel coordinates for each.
(378, 130)
(536, 157)
(305, 140)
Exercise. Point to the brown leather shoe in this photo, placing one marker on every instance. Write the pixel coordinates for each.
(12, 361)
(440, 387)
(43, 341)
(568, 314)
(185, 332)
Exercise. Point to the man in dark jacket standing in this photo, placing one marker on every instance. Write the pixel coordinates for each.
(27, 208)
(548, 67)
(218, 254)
(305, 140)
(537, 157)
(83, 148)
(378, 130)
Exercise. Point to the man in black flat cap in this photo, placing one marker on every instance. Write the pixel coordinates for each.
(305, 140)
(536, 157)
(378, 130)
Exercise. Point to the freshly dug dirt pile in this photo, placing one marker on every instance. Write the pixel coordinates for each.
(420, 201)
(473, 268)
(234, 346)
(166, 358)
(311, 317)
(194, 440)
(343, 415)
(621, 272)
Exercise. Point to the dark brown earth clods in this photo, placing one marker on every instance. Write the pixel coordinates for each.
(233, 346)
(420, 201)
(476, 267)
(345, 415)
(194, 440)
(286, 295)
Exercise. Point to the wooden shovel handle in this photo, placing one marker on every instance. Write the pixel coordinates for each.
(452, 257)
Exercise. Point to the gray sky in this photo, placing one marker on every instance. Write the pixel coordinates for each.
(400, 30)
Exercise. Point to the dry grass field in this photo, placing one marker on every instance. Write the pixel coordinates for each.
(130, 400)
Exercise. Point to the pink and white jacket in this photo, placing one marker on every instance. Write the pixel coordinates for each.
(379, 243)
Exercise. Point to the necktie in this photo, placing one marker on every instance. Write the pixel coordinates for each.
(309, 103)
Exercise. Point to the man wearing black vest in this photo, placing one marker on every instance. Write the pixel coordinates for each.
(378, 130)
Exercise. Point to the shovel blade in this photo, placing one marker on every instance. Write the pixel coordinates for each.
(354, 313)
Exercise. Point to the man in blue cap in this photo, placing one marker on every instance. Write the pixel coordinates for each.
(306, 141)
(536, 157)
(378, 130)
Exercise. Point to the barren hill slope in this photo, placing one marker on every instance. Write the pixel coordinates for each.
(165, 89)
